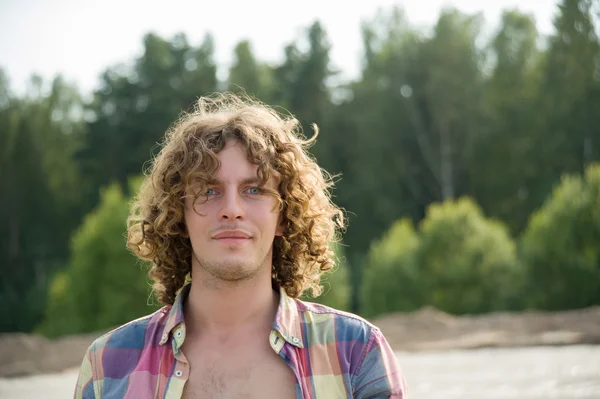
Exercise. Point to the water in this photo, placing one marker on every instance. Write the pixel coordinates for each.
(525, 373)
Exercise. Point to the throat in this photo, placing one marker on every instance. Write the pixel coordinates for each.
(227, 312)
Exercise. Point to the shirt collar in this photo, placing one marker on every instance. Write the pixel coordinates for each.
(287, 319)
(175, 317)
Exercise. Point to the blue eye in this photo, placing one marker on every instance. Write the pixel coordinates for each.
(210, 191)
(254, 190)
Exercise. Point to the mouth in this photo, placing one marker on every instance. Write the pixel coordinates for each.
(232, 237)
(232, 240)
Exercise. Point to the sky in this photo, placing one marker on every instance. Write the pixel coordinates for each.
(81, 38)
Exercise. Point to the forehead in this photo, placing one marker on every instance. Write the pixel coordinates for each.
(235, 167)
(233, 160)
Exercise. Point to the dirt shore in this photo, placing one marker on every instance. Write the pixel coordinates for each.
(429, 329)
(425, 330)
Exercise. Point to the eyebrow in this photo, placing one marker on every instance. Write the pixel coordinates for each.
(247, 180)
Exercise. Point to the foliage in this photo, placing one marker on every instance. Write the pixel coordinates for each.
(39, 200)
(103, 284)
(336, 284)
(135, 105)
(391, 275)
(468, 262)
(561, 246)
(459, 262)
(435, 114)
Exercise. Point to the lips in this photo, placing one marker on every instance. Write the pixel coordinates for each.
(231, 234)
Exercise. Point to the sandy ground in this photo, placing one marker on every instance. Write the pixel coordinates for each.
(548, 372)
(424, 330)
(430, 329)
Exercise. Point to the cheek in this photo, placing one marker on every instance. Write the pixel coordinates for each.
(193, 221)
(273, 221)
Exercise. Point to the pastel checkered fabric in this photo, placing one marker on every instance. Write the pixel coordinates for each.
(333, 355)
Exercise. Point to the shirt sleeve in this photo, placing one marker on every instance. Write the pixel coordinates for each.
(85, 380)
(379, 374)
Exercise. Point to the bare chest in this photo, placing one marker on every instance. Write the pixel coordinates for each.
(249, 374)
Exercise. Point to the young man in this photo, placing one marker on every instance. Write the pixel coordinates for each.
(236, 220)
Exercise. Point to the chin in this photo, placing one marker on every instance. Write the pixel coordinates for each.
(232, 268)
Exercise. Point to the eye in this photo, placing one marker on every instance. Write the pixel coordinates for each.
(210, 192)
(254, 191)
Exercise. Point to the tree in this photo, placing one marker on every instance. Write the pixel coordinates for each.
(408, 127)
(302, 78)
(505, 163)
(458, 262)
(369, 141)
(451, 94)
(468, 263)
(103, 285)
(560, 246)
(336, 284)
(136, 104)
(571, 95)
(248, 75)
(391, 276)
(39, 193)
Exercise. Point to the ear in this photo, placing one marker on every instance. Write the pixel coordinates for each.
(185, 234)
(280, 227)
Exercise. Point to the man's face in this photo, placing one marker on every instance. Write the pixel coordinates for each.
(233, 226)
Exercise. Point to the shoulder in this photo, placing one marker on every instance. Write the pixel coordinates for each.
(347, 326)
(135, 334)
(116, 353)
(356, 345)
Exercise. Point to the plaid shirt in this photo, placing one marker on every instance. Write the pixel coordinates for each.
(333, 354)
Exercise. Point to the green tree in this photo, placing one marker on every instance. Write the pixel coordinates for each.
(570, 96)
(459, 262)
(103, 285)
(451, 93)
(336, 284)
(468, 263)
(302, 78)
(560, 246)
(391, 276)
(404, 135)
(248, 75)
(504, 166)
(370, 142)
(39, 193)
(137, 103)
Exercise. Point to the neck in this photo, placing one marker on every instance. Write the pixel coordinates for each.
(228, 307)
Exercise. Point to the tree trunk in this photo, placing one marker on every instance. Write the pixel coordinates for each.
(446, 169)
(13, 236)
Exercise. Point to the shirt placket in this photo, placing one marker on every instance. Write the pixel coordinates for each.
(278, 343)
(181, 370)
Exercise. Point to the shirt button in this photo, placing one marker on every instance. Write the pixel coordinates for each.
(164, 337)
(295, 340)
(178, 373)
(178, 334)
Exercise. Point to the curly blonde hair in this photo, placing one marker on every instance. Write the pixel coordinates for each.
(274, 142)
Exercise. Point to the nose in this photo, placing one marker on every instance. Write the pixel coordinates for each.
(232, 206)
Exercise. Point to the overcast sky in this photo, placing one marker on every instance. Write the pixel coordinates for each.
(80, 38)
